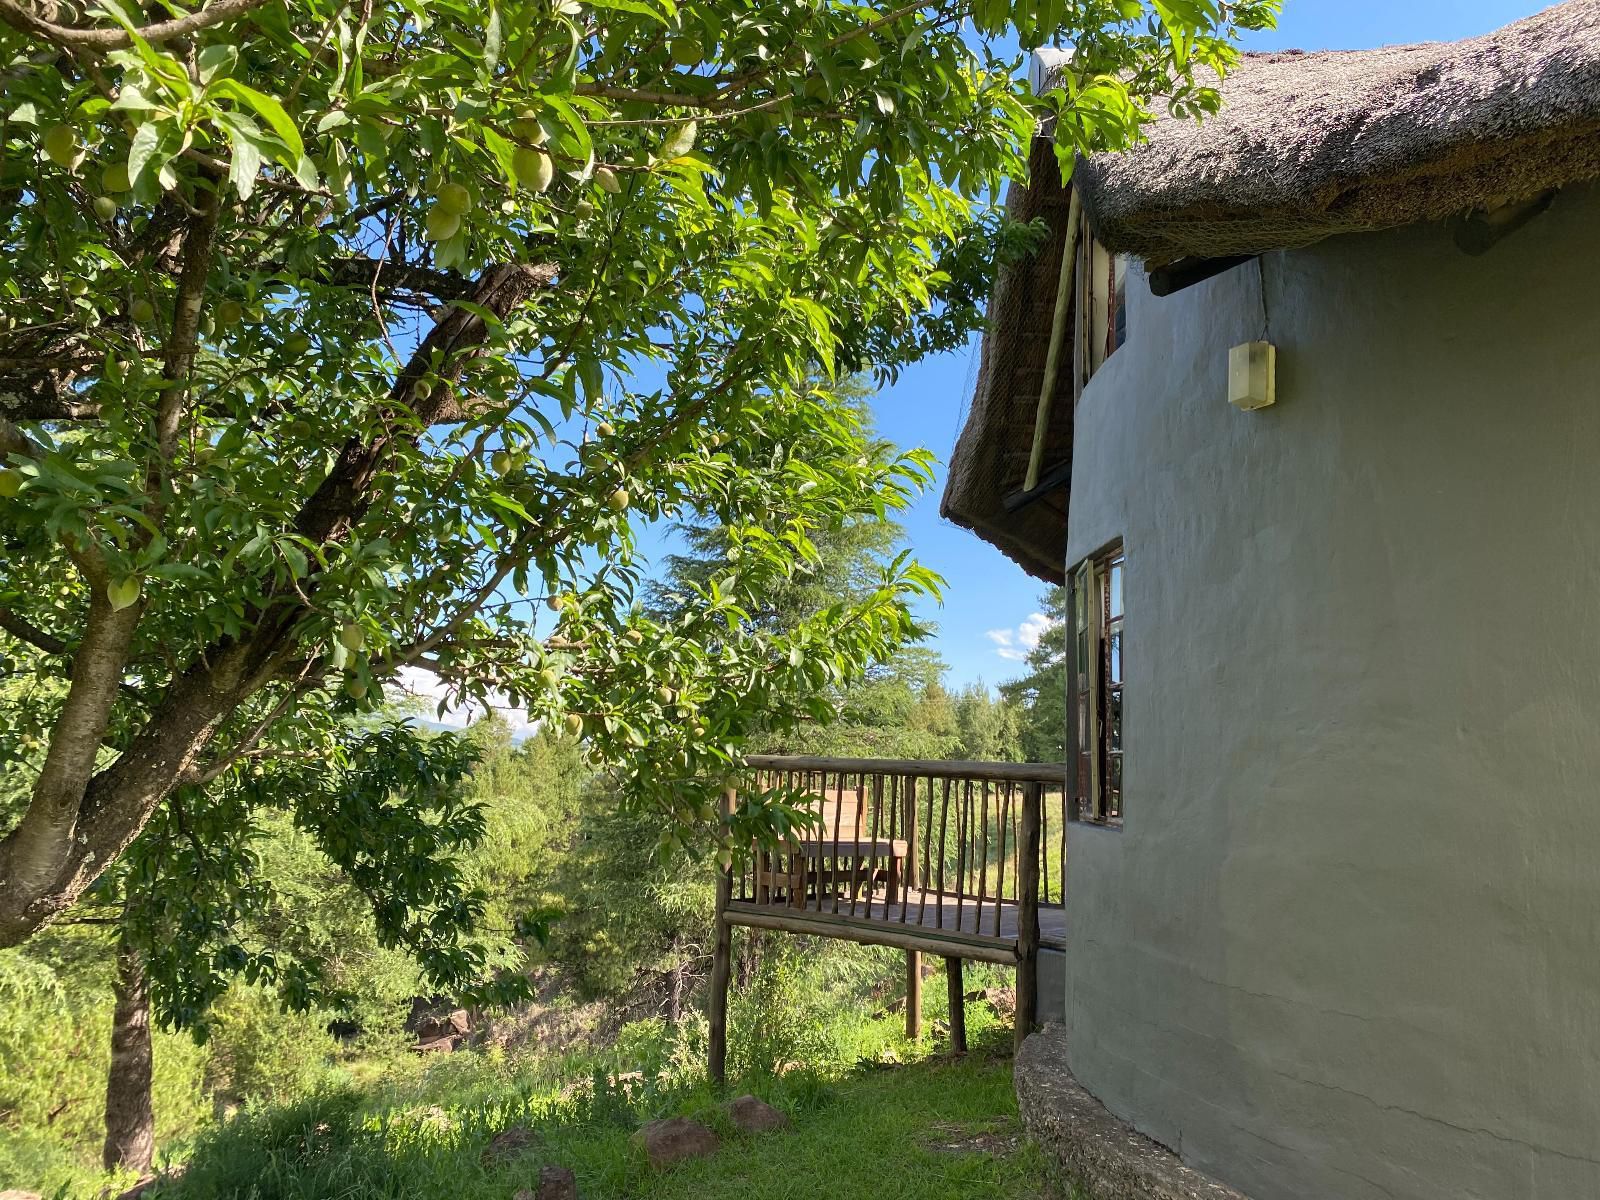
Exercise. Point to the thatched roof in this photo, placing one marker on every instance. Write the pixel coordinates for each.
(1307, 145)
(991, 458)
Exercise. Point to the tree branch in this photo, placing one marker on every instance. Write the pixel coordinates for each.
(343, 496)
(25, 630)
(34, 853)
(183, 341)
(70, 37)
(14, 441)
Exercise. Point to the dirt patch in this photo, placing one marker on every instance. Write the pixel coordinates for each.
(991, 1139)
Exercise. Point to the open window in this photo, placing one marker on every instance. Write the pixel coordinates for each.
(1101, 308)
(1094, 681)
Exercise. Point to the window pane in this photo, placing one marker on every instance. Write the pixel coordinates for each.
(1116, 587)
(1114, 654)
(1114, 720)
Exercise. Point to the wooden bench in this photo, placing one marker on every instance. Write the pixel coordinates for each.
(839, 859)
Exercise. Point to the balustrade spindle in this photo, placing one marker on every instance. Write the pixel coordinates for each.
(983, 858)
(1000, 861)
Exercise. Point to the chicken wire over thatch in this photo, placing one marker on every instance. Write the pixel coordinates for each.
(1307, 145)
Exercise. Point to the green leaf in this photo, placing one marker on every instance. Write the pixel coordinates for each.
(267, 108)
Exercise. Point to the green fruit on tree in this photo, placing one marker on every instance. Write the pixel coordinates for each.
(142, 311)
(574, 724)
(115, 178)
(681, 140)
(607, 179)
(528, 128)
(454, 198)
(296, 344)
(716, 440)
(441, 224)
(664, 694)
(618, 500)
(421, 389)
(556, 603)
(501, 462)
(355, 689)
(352, 637)
(550, 678)
(605, 429)
(698, 731)
(228, 314)
(533, 168)
(635, 636)
(105, 207)
(10, 482)
(123, 592)
(584, 208)
(725, 859)
(686, 51)
(61, 146)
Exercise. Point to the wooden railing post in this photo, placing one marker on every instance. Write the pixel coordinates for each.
(958, 1005)
(1028, 910)
(721, 964)
(909, 880)
(913, 994)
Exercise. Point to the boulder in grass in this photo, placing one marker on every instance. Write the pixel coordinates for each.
(508, 1144)
(18, 1194)
(675, 1139)
(556, 1183)
(754, 1115)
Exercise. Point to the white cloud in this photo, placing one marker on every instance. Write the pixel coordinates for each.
(1013, 644)
(430, 689)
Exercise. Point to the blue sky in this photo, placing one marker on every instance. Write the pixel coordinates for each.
(986, 594)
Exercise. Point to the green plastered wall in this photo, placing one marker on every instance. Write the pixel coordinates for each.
(1347, 944)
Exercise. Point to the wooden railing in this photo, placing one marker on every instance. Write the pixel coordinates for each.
(956, 857)
(921, 843)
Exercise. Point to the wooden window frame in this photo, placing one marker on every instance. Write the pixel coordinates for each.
(1096, 716)
(1100, 324)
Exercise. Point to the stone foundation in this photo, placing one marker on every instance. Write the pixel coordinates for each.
(1108, 1159)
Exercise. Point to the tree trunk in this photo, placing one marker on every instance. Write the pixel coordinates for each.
(130, 1119)
(675, 986)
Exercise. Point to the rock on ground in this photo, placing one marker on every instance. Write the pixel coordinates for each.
(18, 1194)
(754, 1115)
(557, 1183)
(509, 1143)
(674, 1139)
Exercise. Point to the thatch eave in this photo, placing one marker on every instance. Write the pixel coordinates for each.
(1306, 146)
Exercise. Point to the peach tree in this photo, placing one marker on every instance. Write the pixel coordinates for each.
(345, 337)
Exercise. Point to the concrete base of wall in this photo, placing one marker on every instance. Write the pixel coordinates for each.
(1051, 995)
(1108, 1159)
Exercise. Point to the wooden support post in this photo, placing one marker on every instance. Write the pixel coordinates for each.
(958, 1006)
(1028, 911)
(913, 994)
(721, 968)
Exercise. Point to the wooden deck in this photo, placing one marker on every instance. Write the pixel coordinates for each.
(928, 922)
(944, 858)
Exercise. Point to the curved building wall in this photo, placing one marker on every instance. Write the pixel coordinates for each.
(1348, 942)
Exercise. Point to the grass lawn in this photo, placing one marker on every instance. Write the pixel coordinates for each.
(928, 1130)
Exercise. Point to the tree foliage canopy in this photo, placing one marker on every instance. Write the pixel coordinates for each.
(339, 338)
